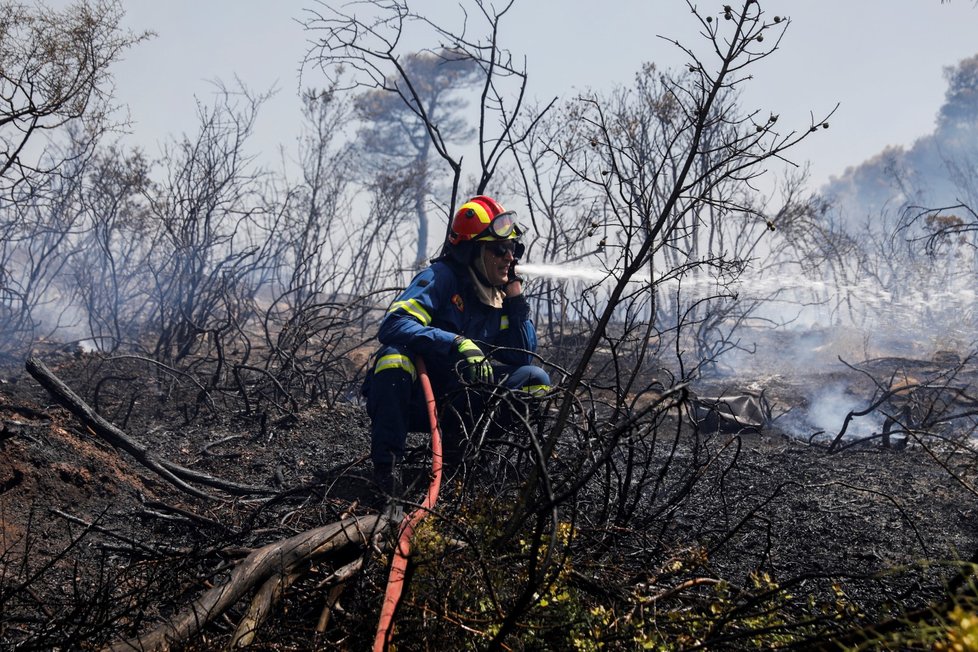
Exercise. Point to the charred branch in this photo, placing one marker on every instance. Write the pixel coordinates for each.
(177, 475)
(263, 565)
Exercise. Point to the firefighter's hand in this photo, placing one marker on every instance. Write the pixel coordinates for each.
(474, 366)
(514, 284)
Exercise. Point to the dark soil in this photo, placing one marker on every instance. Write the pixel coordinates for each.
(76, 516)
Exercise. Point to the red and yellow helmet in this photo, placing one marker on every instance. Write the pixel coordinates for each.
(482, 219)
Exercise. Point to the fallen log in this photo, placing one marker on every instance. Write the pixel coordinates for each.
(261, 605)
(177, 475)
(280, 558)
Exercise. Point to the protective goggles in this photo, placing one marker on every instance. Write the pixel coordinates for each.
(502, 227)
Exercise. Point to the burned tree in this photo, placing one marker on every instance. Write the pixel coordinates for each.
(40, 231)
(370, 47)
(54, 72)
(55, 91)
(394, 134)
(206, 217)
(108, 284)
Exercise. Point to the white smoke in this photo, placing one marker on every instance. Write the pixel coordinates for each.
(825, 416)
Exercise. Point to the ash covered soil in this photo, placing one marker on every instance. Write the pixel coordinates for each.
(73, 510)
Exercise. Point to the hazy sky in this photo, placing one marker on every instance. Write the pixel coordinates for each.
(882, 61)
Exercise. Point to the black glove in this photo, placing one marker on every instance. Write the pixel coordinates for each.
(518, 250)
(475, 367)
(513, 276)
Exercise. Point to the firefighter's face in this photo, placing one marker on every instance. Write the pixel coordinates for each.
(498, 258)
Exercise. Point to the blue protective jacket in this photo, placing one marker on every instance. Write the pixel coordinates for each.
(440, 304)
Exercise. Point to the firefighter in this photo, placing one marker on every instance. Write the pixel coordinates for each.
(467, 317)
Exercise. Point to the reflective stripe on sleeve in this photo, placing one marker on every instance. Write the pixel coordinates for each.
(536, 390)
(395, 361)
(414, 308)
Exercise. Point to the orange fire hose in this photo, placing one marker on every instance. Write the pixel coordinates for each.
(395, 581)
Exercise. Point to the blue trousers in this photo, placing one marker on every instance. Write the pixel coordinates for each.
(396, 402)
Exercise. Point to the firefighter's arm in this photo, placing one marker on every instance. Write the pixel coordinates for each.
(409, 319)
